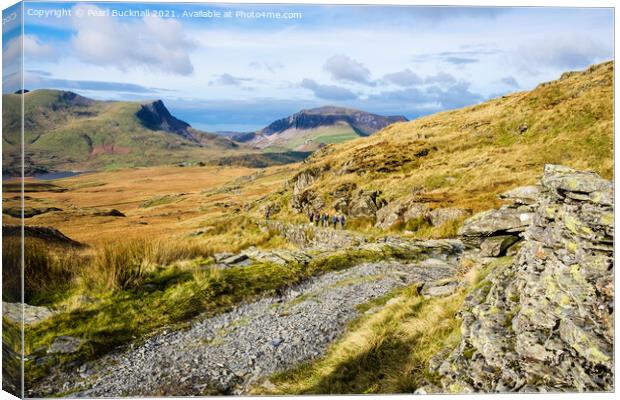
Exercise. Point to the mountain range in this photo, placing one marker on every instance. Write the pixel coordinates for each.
(310, 129)
(66, 131)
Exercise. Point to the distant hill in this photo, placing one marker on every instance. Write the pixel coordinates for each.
(66, 131)
(310, 129)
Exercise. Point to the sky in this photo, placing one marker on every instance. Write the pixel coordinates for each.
(240, 67)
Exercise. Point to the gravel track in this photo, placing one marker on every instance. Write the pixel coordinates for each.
(229, 352)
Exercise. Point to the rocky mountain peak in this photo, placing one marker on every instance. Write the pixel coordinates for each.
(155, 116)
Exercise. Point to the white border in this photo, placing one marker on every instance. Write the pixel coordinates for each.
(483, 3)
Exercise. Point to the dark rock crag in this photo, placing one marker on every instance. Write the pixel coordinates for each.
(156, 116)
(543, 322)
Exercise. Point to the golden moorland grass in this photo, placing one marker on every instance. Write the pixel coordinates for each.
(159, 202)
(464, 158)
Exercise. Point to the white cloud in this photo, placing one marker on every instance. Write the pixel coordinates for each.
(563, 52)
(328, 92)
(35, 49)
(441, 78)
(345, 69)
(152, 42)
(11, 52)
(403, 78)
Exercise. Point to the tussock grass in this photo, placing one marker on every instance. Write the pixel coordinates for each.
(129, 291)
(236, 233)
(11, 269)
(48, 271)
(386, 352)
(126, 264)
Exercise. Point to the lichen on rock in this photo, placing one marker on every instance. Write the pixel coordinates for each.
(543, 322)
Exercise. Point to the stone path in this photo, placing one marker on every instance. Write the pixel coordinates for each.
(225, 354)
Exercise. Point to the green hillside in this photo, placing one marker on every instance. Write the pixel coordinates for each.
(311, 139)
(65, 131)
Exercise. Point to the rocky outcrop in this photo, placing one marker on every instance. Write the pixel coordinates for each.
(303, 198)
(113, 212)
(312, 236)
(494, 231)
(543, 322)
(400, 212)
(156, 116)
(365, 203)
(45, 233)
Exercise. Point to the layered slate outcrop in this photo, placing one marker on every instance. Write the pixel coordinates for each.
(545, 321)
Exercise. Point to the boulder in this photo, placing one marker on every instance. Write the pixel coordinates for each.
(304, 199)
(415, 210)
(304, 179)
(65, 345)
(390, 215)
(234, 259)
(496, 221)
(440, 216)
(342, 196)
(219, 257)
(560, 180)
(496, 246)
(32, 314)
(366, 203)
(522, 194)
(307, 201)
(400, 212)
(439, 289)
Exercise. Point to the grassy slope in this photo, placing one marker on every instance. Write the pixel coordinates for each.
(55, 130)
(476, 152)
(310, 139)
(472, 144)
(479, 153)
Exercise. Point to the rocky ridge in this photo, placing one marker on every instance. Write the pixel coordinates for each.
(362, 122)
(545, 321)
